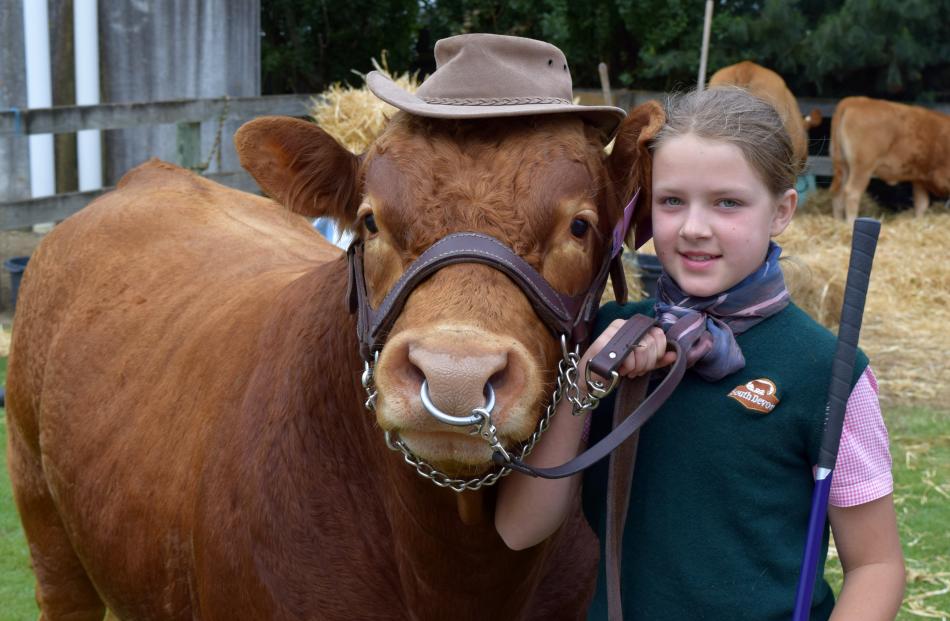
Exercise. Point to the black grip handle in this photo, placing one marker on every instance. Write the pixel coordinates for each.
(863, 245)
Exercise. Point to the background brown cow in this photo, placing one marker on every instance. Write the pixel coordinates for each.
(770, 86)
(892, 141)
(187, 435)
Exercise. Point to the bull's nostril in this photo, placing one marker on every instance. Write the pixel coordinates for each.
(411, 374)
(499, 380)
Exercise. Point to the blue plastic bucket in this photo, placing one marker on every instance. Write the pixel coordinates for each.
(650, 270)
(806, 186)
(15, 265)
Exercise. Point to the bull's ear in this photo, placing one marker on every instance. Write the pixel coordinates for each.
(631, 164)
(300, 166)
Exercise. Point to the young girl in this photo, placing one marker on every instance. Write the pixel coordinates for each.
(723, 479)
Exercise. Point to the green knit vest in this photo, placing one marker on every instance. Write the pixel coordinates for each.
(721, 492)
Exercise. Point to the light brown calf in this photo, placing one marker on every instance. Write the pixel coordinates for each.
(892, 141)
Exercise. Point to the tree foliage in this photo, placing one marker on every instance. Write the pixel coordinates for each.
(307, 45)
(896, 49)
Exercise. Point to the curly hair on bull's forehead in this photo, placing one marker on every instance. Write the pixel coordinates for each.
(734, 115)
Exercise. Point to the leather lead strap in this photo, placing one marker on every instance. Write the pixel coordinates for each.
(609, 359)
(646, 409)
(632, 408)
(619, 478)
(685, 332)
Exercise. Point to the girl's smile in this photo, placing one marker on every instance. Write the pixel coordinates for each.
(698, 261)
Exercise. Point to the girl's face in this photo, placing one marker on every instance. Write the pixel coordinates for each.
(712, 214)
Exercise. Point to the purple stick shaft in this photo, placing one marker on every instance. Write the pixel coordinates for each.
(816, 530)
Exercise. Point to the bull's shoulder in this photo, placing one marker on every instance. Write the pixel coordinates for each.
(160, 212)
(157, 173)
(158, 200)
(156, 179)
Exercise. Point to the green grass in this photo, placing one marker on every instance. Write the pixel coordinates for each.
(16, 577)
(920, 446)
(921, 451)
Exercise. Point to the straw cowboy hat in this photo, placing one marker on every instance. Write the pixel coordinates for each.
(487, 75)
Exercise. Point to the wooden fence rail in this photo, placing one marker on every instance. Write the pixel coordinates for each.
(65, 119)
(186, 114)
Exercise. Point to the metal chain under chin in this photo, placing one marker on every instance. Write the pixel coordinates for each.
(565, 387)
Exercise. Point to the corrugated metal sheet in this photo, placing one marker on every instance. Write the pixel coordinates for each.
(14, 150)
(176, 49)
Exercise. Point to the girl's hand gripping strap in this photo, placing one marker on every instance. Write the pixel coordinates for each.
(863, 244)
(680, 337)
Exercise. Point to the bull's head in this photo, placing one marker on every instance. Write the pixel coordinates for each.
(541, 185)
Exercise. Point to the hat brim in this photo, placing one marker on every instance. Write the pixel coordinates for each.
(605, 118)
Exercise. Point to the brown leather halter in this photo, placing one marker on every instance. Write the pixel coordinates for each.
(565, 315)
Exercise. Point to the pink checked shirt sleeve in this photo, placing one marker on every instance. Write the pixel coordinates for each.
(863, 469)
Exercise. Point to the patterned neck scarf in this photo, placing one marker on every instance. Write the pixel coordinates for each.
(758, 296)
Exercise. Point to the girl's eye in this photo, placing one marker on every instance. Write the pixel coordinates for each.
(579, 227)
(728, 203)
(370, 223)
(673, 201)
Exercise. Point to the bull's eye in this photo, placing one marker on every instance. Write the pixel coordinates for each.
(579, 227)
(370, 223)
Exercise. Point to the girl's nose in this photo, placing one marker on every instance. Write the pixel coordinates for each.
(695, 225)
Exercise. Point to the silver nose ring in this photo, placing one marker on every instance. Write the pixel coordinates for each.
(475, 418)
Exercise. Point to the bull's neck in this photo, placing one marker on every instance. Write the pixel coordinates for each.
(436, 551)
(314, 319)
(315, 439)
(311, 379)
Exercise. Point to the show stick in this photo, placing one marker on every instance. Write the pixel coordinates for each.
(863, 244)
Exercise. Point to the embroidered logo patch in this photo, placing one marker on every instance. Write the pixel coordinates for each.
(757, 395)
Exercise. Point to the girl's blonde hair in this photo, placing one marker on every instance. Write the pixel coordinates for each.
(736, 116)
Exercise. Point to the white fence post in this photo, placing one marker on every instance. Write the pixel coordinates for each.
(86, 42)
(39, 94)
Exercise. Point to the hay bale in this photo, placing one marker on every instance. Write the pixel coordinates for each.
(908, 301)
(355, 116)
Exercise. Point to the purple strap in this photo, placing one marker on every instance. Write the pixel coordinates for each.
(623, 225)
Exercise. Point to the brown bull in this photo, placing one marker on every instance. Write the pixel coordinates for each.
(186, 431)
(770, 86)
(892, 141)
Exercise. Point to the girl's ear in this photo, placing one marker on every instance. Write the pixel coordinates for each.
(787, 205)
(630, 164)
(301, 166)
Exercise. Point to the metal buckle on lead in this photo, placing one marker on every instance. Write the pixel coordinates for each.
(600, 389)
